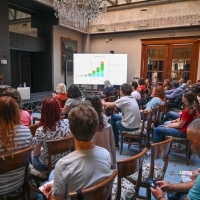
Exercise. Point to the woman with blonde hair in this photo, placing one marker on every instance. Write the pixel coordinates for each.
(13, 137)
(61, 94)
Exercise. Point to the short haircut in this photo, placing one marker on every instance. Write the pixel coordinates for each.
(73, 91)
(141, 81)
(61, 88)
(83, 122)
(195, 125)
(50, 114)
(126, 89)
(134, 84)
(12, 92)
(175, 83)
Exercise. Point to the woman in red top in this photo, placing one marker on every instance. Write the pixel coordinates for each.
(178, 127)
(141, 87)
(61, 94)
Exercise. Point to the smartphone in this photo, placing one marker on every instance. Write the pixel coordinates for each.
(151, 182)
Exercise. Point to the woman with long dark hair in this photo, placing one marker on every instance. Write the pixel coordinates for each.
(52, 127)
(178, 127)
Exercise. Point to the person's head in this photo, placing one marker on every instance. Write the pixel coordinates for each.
(175, 84)
(61, 88)
(189, 82)
(158, 91)
(126, 89)
(188, 97)
(198, 82)
(107, 83)
(50, 113)
(9, 117)
(181, 81)
(73, 91)
(166, 82)
(147, 82)
(97, 105)
(134, 85)
(141, 81)
(83, 122)
(193, 134)
(12, 92)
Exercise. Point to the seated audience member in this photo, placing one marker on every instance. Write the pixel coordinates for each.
(158, 97)
(148, 87)
(104, 135)
(130, 118)
(182, 83)
(188, 84)
(135, 93)
(178, 127)
(88, 164)
(167, 85)
(107, 88)
(61, 93)
(142, 87)
(174, 95)
(25, 118)
(52, 127)
(193, 134)
(74, 98)
(13, 137)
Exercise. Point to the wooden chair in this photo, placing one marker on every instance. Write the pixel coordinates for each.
(116, 94)
(161, 113)
(109, 111)
(14, 161)
(54, 147)
(160, 151)
(1, 79)
(33, 128)
(139, 134)
(111, 93)
(127, 167)
(100, 191)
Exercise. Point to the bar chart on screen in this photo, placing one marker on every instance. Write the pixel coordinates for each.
(96, 68)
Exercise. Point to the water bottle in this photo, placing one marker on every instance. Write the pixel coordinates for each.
(24, 84)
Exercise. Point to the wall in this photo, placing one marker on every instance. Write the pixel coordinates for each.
(130, 43)
(59, 32)
(4, 42)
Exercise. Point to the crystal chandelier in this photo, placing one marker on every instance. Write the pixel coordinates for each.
(80, 12)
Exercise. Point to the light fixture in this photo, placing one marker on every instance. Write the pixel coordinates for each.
(4, 61)
(80, 12)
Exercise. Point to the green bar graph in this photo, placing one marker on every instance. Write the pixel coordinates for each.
(98, 72)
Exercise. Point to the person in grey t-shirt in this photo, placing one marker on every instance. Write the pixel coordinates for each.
(86, 166)
(130, 118)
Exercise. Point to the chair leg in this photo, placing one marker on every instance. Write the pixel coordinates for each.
(148, 193)
(118, 188)
(121, 147)
(188, 150)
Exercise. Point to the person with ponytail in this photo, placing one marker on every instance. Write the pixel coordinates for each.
(178, 127)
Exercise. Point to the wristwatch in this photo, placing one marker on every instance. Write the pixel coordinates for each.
(159, 198)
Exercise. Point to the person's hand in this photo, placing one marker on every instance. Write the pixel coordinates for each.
(157, 192)
(195, 174)
(102, 101)
(165, 186)
(48, 190)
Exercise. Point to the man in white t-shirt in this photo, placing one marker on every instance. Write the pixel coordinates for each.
(135, 93)
(130, 118)
(88, 164)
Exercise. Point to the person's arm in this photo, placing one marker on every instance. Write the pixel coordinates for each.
(178, 124)
(37, 149)
(178, 187)
(108, 104)
(65, 109)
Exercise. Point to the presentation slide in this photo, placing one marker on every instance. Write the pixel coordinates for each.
(96, 68)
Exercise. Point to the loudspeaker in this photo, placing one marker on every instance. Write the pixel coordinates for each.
(112, 52)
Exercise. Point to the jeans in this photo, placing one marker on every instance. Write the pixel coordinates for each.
(161, 131)
(170, 116)
(117, 126)
(37, 164)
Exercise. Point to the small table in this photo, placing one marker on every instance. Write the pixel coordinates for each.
(25, 92)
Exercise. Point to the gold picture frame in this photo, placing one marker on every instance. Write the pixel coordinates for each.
(68, 48)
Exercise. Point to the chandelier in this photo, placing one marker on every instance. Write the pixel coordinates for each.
(80, 12)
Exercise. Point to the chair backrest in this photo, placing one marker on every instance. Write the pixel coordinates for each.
(111, 93)
(15, 161)
(111, 99)
(160, 150)
(100, 191)
(33, 128)
(116, 94)
(59, 146)
(146, 123)
(154, 115)
(161, 114)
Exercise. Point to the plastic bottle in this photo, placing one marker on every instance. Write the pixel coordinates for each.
(24, 84)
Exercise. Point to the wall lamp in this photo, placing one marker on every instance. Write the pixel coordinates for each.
(4, 61)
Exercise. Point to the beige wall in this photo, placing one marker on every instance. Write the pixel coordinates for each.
(130, 43)
(59, 32)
